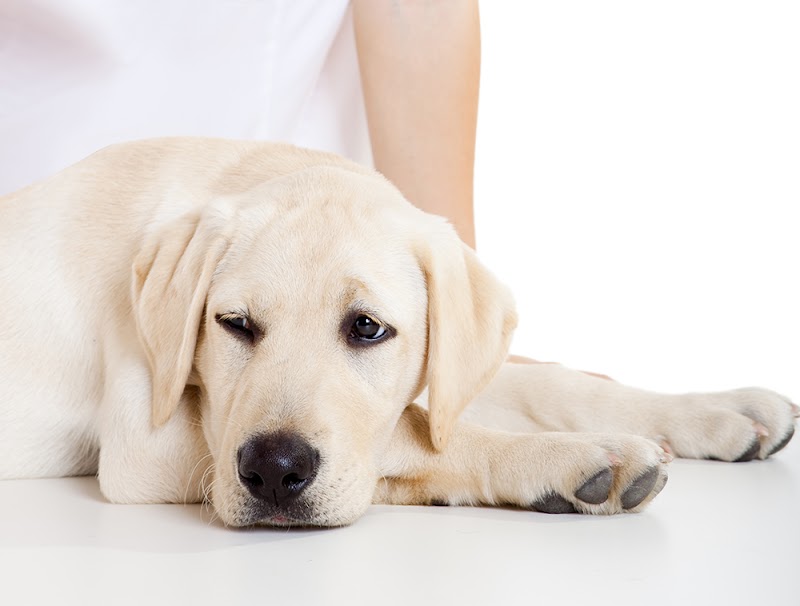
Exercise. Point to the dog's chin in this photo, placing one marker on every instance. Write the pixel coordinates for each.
(285, 520)
(280, 521)
(250, 513)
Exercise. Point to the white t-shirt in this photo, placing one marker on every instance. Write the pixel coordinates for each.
(77, 75)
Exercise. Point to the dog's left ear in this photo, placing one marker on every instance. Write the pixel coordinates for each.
(171, 278)
(471, 318)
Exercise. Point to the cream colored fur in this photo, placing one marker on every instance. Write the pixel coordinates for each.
(112, 360)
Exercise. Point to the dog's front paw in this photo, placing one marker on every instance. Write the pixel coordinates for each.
(739, 425)
(590, 473)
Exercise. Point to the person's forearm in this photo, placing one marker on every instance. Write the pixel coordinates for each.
(420, 69)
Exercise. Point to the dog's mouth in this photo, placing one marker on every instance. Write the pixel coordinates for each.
(284, 522)
(308, 511)
(297, 516)
(281, 520)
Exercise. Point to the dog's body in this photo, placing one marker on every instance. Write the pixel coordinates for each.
(249, 322)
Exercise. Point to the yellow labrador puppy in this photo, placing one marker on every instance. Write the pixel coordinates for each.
(251, 323)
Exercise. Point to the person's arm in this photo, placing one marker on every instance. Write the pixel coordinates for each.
(420, 70)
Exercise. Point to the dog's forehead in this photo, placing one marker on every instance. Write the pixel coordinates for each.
(330, 232)
(327, 190)
(317, 213)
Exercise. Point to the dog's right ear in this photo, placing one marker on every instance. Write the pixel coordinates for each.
(171, 278)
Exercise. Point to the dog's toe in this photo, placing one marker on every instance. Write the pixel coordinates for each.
(597, 488)
(640, 488)
(751, 452)
(553, 503)
(782, 444)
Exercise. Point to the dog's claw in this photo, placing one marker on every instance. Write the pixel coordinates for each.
(668, 455)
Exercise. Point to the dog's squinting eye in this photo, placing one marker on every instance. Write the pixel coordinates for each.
(366, 329)
(238, 325)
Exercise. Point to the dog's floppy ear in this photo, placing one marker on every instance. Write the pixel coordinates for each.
(171, 277)
(471, 318)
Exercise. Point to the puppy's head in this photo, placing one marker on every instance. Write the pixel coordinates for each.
(309, 313)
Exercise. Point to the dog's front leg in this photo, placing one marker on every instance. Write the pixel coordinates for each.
(550, 472)
(141, 463)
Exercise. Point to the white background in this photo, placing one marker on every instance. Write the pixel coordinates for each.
(638, 186)
(638, 177)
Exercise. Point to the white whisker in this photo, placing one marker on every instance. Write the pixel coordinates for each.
(191, 476)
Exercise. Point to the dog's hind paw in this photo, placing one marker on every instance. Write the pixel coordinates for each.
(738, 426)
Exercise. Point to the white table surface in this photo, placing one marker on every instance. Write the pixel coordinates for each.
(718, 534)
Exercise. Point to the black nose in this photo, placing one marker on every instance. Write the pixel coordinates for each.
(277, 467)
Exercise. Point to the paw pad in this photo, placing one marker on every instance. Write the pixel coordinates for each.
(640, 488)
(782, 444)
(751, 452)
(597, 488)
(553, 503)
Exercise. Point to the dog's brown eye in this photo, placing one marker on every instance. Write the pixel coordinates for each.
(367, 329)
(238, 325)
